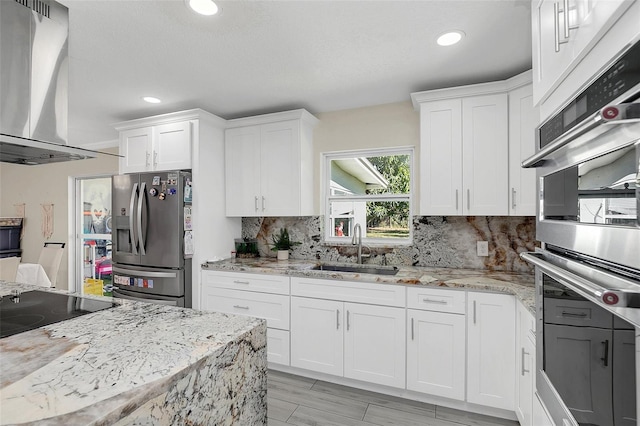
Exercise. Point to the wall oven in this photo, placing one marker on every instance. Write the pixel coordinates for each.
(588, 269)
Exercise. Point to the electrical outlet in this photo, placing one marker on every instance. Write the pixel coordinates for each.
(482, 247)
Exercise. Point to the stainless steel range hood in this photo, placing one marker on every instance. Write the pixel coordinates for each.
(34, 83)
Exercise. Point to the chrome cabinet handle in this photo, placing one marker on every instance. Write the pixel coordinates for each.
(468, 200)
(513, 198)
(572, 314)
(255, 202)
(146, 163)
(241, 307)
(522, 369)
(155, 159)
(263, 204)
(412, 335)
(605, 356)
(241, 282)
(348, 322)
(556, 27)
(474, 311)
(337, 319)
(440, 302)
(456, 199)
(567, 25)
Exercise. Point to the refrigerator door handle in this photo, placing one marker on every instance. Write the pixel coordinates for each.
(132, 203)
(142, 198)
(140, 273)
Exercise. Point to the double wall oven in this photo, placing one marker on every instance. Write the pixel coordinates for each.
(588, 269)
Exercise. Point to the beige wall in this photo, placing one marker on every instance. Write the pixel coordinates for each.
(379, 126)
(36, 185)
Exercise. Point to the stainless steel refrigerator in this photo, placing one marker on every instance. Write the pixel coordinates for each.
(151, 237)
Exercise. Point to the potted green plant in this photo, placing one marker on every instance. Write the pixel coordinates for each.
(282, 244)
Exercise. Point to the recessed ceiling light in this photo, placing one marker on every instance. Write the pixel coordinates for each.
(203, 7)
(450, 37)
(151, 100)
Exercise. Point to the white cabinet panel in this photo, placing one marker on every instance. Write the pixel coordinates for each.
(272, 307)
(264, 165)
(525, 366)
(522, 124)
(349, 291)
(317, 335)
(157, 147)
(172, 146)
(491, 350)
(276, 284)
(135, 146)
(441, 157)
(435, 299)
(374, 344)
(436, 353)
(278, 346)
(485, 155)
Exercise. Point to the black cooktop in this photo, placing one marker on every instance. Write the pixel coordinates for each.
(34, 309)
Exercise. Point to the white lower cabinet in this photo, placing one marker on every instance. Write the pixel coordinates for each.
(436, 353)
(316, 335)
(525, 366)
(490, 350)
(278, 348)
(354, 340)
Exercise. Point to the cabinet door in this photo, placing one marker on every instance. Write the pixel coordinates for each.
(485, 147)
(624, 382)
(569, 352)
(374, 344)
(436, 353)
(316, 335)
(491, 350)
(441, 158)
(522, 124)
(172, 146)
(525, 378)
(280, 169)
(548, 64)
(242, 171)
(135, 146)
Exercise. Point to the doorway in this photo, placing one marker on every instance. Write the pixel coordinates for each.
(93, 231)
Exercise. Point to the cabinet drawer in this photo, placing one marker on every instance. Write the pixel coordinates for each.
(276, 284)
(577, 313)
(438, 300)
(278, 346)
(272, 307)
(349, 291)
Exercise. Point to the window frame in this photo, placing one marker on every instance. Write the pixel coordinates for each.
(327, 198)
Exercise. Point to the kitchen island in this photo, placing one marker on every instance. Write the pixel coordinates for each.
(136, 363)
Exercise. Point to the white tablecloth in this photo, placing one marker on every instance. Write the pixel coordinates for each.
(32, 273)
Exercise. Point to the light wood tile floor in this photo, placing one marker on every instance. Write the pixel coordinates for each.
(295, 400)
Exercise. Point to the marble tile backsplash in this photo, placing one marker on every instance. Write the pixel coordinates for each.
(438, 241)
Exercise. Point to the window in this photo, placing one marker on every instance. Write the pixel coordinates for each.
(371, 188)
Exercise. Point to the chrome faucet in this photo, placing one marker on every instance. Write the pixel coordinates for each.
(357, 240)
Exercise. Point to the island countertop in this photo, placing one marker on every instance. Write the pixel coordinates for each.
(137, 362)
(519, 284)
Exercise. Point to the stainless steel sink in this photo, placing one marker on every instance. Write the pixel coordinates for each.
(360, 269)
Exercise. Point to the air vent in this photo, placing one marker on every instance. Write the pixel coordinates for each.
(37, 6)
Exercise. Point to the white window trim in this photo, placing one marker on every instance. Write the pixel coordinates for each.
(326, 158)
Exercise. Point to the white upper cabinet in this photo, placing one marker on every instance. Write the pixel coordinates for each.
(522, 124)
(562, 41)
(162, 146)
(269, 165)
(465, 141)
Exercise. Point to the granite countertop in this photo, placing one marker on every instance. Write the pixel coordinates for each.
(91, 369)
(519, 284)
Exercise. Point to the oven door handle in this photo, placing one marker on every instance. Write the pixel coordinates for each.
(611, 114)
(565, 277)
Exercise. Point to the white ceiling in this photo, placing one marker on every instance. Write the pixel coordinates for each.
(267, 56)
